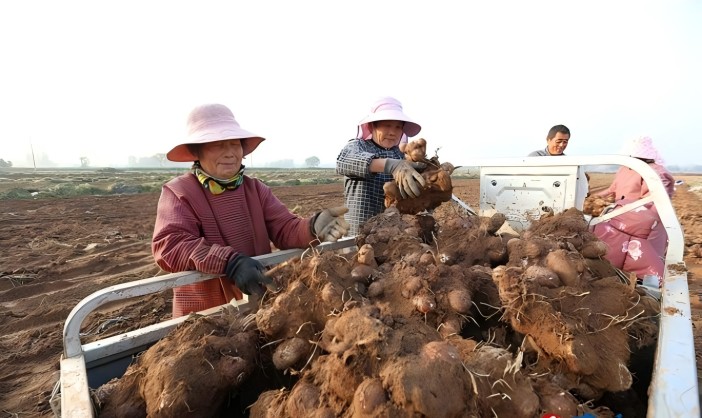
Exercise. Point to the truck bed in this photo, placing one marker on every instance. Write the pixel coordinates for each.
(673, 391)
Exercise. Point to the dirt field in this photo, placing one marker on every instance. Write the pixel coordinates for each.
(55, 252)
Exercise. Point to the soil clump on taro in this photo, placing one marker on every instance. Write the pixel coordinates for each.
(437, 314)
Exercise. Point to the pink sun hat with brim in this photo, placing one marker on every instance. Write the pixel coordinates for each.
(211, 123)
(641, 147)
(386, 108)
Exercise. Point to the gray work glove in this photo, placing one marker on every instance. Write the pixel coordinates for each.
(330, 225)
(408, 180)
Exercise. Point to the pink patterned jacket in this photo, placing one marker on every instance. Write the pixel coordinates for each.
(636, 240)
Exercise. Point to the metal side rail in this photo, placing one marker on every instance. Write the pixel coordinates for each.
(78, 358)
(674, 388)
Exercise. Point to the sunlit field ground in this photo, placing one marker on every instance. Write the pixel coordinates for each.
(16, 183)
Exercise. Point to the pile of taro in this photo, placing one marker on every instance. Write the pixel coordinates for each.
(436, 315)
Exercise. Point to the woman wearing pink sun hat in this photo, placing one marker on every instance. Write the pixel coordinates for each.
(640, 229)
(373, 158)
(628, 184)
(215, 218)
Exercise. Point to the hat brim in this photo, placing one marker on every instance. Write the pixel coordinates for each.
(410, 128)
(181, 153)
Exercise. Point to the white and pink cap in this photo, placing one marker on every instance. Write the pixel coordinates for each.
(642, 147)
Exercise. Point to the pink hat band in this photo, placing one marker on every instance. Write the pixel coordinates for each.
(211, 123)
(387, 108)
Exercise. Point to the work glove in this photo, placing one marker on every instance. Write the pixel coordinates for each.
(330, 225)
(247, 274)
(408, 180)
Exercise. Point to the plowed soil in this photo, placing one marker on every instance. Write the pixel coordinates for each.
(55, 252)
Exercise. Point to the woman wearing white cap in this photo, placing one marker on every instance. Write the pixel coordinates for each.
(639, 234)
(215, 218)
(374, 158)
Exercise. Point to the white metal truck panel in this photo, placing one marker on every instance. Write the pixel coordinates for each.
(524, 194)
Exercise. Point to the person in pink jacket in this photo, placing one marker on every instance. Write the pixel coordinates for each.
(627, 183)
(215, 218)
(629, 186)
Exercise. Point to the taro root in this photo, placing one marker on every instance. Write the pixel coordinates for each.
(542, 276)
(495, 250)
(439, 350)
(276, 320)
(427, 258)
(376, 288)
(536, 247)
(372, 347)
(290, 352)
(362, 272)
(450, 326)
(113, 400)
(594, 249)
(567, 271)
(437, 188)
(490, 225)
(366, 256)
(595, 205)
(303, 400)
(416, 383)
(584, 328)
(397, 345)
(339, 334)
(190, 372)
(369, 398)
(331, 294)
(416, 150)
(556, 400)
(411, 286)
(424, 303)
(460, 300)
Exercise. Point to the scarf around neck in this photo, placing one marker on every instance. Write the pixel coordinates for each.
(214, 185)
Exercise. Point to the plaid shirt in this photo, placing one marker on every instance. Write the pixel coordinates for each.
(363, 190)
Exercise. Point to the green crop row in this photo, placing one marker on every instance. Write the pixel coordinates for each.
(82, 189)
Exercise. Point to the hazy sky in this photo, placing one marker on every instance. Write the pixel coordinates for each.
(484, 79)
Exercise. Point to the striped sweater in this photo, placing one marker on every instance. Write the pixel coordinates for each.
(197, 230)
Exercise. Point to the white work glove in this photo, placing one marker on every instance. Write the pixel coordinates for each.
(330, 225)
(405, 173)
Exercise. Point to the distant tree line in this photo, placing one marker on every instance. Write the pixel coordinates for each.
(156, 160)
(684, 169)
(312, 162)
(5, 164)
(287, 163)
(290, 163)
